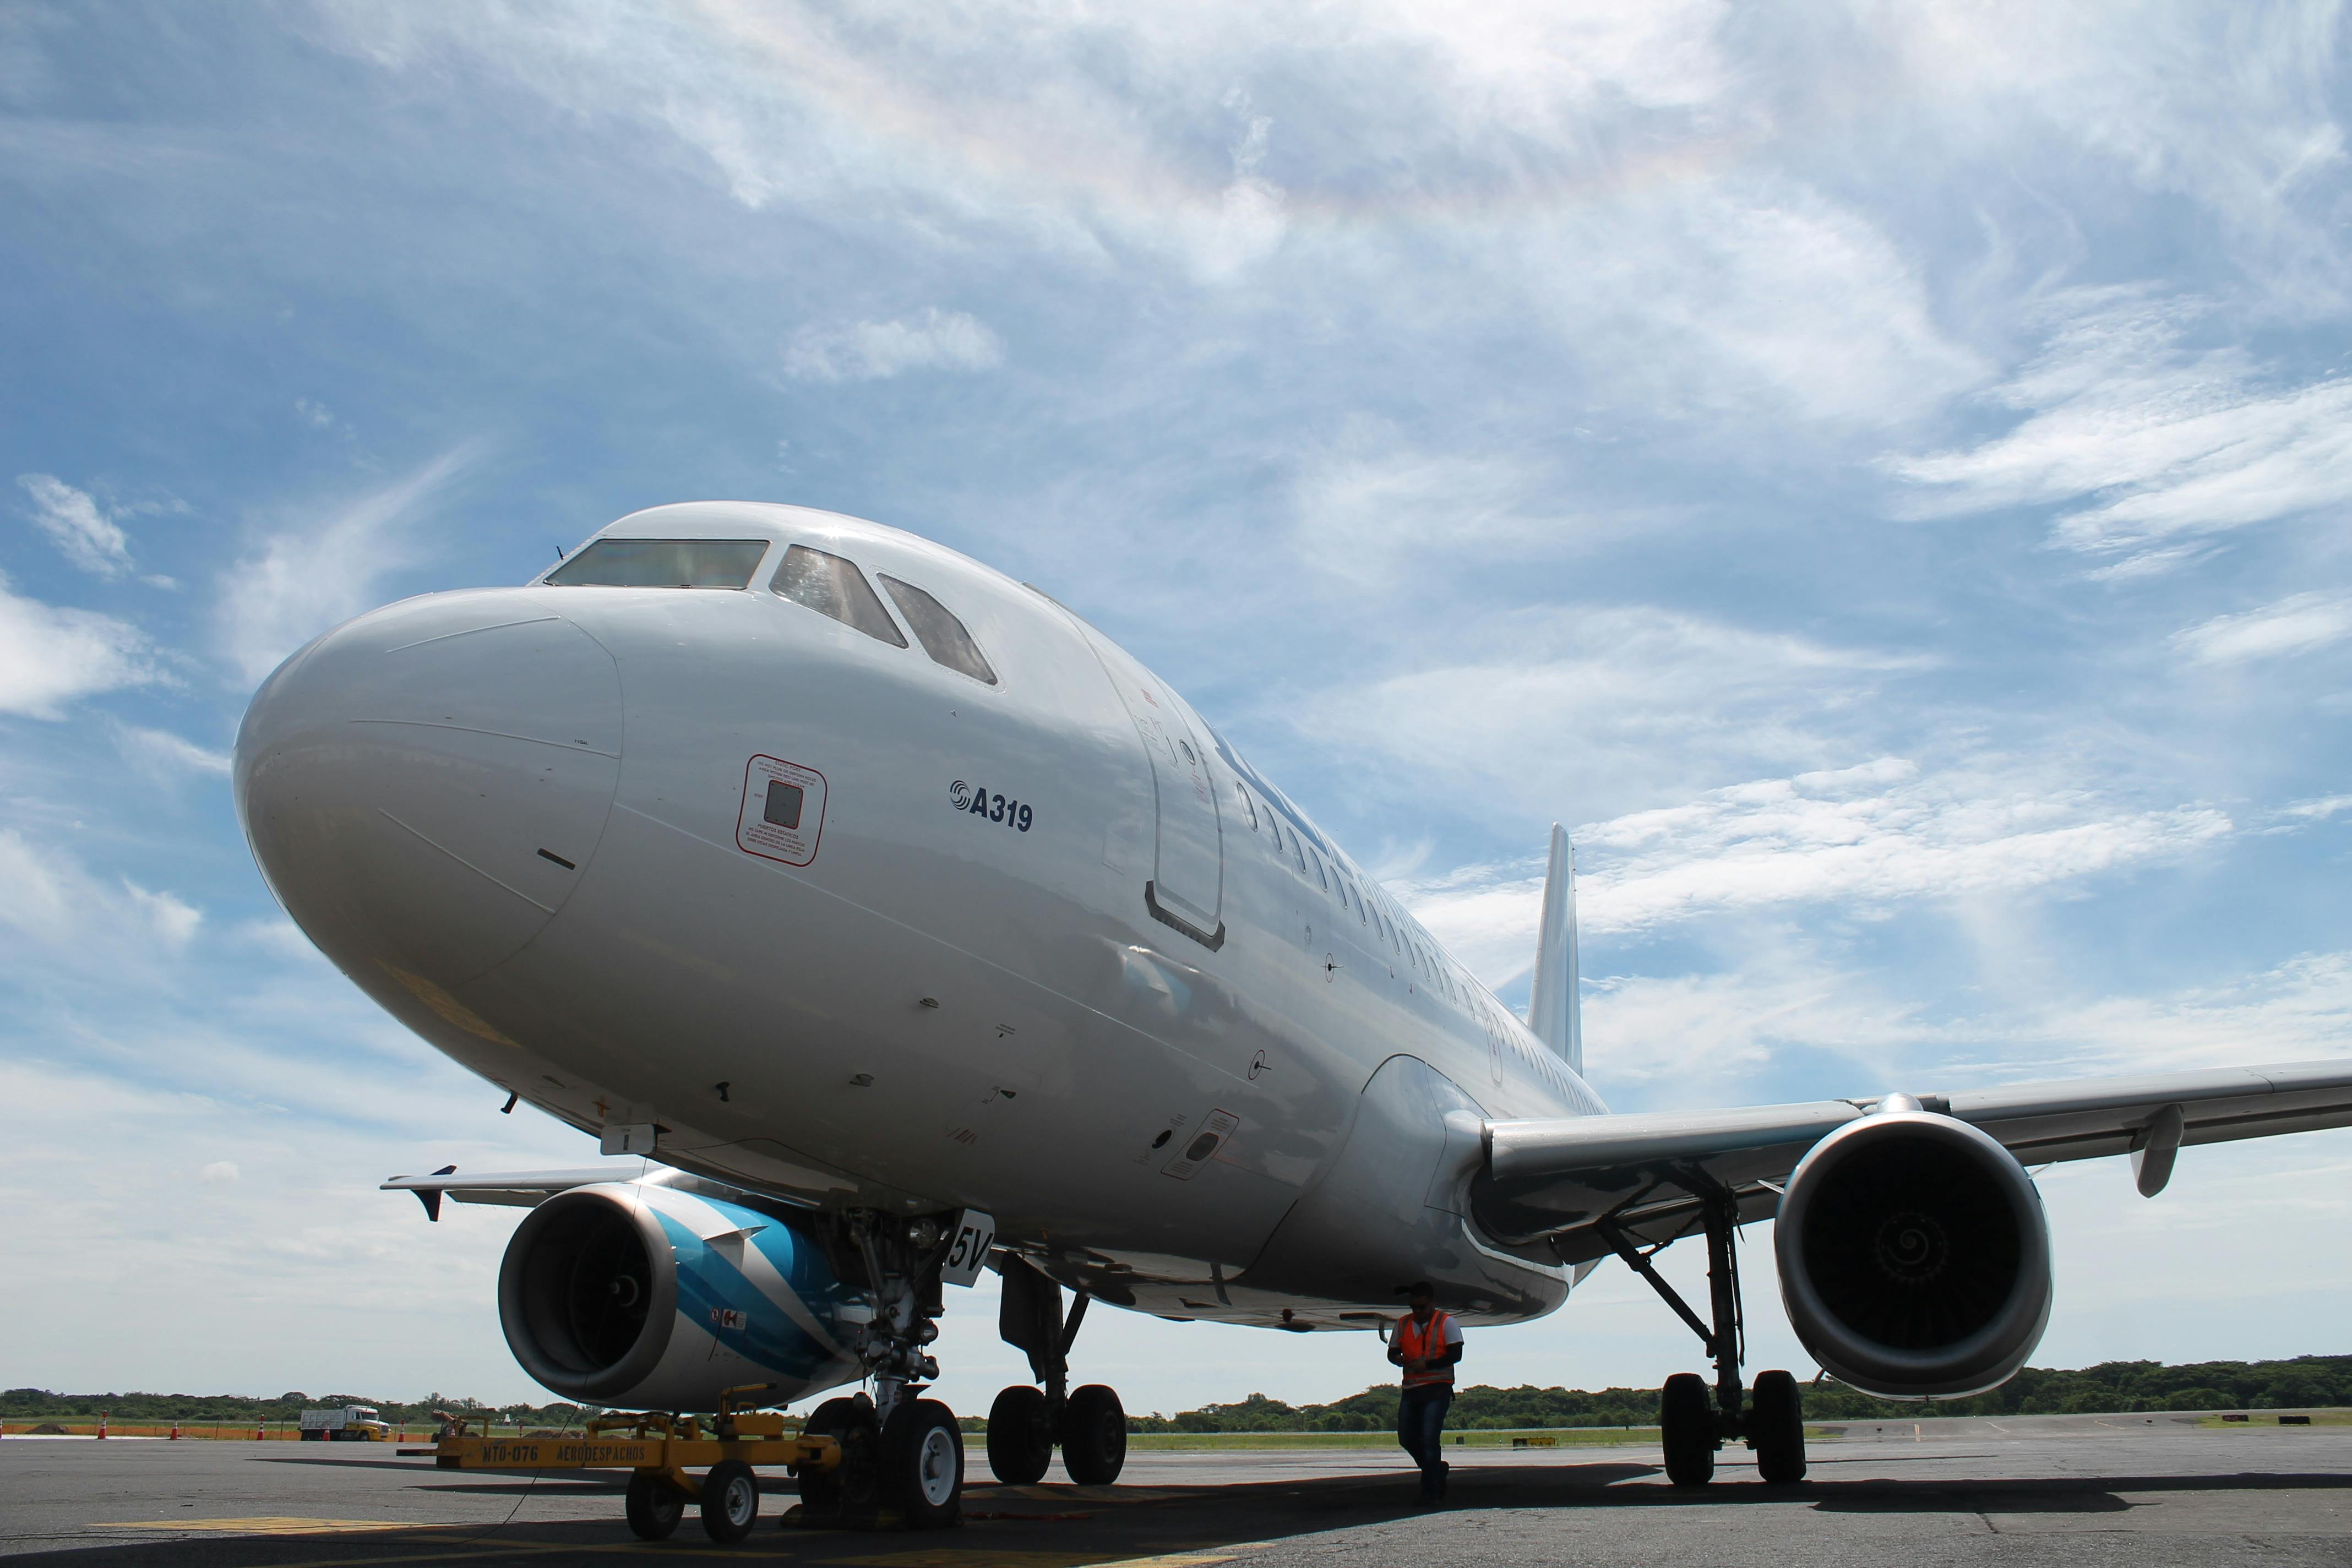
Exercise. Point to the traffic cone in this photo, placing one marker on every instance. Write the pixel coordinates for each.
(101, 1424)
(256, 1431)
(175, 1429)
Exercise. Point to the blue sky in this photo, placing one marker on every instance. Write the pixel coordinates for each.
(1878, 475)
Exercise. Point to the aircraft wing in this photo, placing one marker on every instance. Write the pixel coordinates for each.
(1557, 1179)
(515, 1189)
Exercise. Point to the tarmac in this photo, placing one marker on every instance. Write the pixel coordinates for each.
(2081, 1490)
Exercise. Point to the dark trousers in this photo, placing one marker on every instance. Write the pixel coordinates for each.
(1420, 1430)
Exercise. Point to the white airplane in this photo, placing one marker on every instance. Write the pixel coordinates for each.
(904, 924)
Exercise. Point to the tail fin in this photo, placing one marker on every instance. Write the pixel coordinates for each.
(1553, 1012)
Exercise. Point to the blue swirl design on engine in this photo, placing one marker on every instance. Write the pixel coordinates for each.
(715, 1296)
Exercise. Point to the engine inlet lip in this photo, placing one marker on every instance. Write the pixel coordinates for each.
(515, 1307)
(1980, 1360)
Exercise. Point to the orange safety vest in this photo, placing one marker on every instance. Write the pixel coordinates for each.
(1415, 1343)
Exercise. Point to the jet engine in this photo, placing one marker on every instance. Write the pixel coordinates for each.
(650, 1296)
(1914, 1256)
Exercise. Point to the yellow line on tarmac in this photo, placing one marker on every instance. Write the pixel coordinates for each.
(279, 1525)
(267, 1524)
(945, 1558)
(937, 1558)
(965, 1559)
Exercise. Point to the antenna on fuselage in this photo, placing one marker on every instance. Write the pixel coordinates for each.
(1554, 1013)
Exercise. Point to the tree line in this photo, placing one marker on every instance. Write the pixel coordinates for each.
(2302, 1381)
(2121, 1386)
(20, 1405)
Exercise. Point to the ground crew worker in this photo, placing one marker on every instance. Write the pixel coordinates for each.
(1426, 1345)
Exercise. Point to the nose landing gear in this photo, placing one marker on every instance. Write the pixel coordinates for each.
(900, 1454)
(1027, 1423)
(1771, 1420)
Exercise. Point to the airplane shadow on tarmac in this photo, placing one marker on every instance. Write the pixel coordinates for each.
(1052, 1525)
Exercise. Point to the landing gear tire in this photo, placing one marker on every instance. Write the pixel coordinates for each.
(1686, 1430)
(730, 1502)
(655, 1507)
(857, 1482)
(923, 1451)
(1776, 1420)
(1020, 1436)
(1094, 1436)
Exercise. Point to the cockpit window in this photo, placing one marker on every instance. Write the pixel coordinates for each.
(832, 586)
(662, 563)
(942, 635)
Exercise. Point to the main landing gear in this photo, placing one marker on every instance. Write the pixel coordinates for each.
(902, 1455)
(1027, 1423)
(1772, 1421)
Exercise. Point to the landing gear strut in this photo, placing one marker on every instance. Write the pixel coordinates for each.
(900, 1453)
(1770, 1421)
(1025, 1424)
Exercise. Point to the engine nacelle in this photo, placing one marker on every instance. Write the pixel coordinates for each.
(1914, 1259)
(648, 1296)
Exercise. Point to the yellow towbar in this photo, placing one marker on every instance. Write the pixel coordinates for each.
(663, 1452)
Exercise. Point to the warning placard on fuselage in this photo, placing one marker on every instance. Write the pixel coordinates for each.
(783, 811)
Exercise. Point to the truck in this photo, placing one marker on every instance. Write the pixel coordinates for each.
(344, 1424)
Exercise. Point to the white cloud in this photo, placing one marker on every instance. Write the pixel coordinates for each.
(1603, 706)
(932, 339)
(1373, 505)
(2319, 809)
(172, 918)
(2300, 1010)
(1864, 837)
(57, 907)
(2231, 108)
(78, 526)
(160, 754)
(52, 656)
(280, 938)
(262, 1210)
(1718, 1035)
(317, 573)
(1709, 1036)
(1867, 834)
(1744, 296)
(1248, 223)
(314, 413)
(2151, 439)
(2295, 625)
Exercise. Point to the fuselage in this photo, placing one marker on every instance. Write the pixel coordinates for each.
(847, 923)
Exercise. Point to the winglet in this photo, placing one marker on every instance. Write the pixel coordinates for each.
(1553, 1012)
(431, 1196)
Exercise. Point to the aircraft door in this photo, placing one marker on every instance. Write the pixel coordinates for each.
(1187, 885)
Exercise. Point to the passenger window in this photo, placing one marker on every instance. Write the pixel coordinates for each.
(832, 586)
(1319, 873)
(662, 563)
(1247, 804)
(942, 635)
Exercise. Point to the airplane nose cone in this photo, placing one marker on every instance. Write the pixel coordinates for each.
(425, 786)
